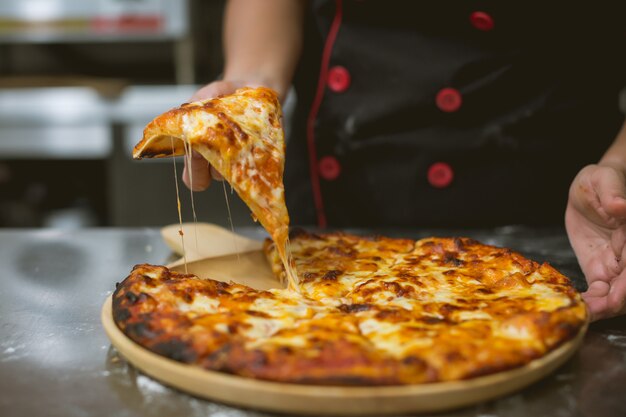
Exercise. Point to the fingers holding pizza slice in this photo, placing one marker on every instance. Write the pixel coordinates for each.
(241, 136)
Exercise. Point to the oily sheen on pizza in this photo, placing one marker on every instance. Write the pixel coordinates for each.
(369, 311)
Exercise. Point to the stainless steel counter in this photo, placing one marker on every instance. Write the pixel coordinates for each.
(55, 359)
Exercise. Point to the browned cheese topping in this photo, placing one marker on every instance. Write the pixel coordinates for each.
(369, 311)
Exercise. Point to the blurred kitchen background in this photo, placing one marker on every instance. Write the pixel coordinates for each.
(79, 79)
(78, 82)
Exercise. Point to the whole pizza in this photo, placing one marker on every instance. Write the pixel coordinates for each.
(357, 310)
(367, 311)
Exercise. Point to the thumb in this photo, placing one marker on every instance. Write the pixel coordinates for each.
(196, 174)
(611, 191)
(214, 89)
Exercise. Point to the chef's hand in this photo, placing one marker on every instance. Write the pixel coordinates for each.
(596, 225)
(197, 173)
(262, 44)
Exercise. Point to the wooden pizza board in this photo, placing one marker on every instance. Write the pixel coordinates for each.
(221, 255)
(205, 240)
(252, 269)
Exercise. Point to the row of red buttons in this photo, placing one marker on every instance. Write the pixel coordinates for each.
(440, 174)
(447, 99)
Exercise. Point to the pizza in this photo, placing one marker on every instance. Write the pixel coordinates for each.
(368, 311)
(241, 136)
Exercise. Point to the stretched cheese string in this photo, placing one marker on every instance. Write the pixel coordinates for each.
(280, 236)
(284, 252)
(287, 259)
(189, 155)
(230, 219)
(181, 232)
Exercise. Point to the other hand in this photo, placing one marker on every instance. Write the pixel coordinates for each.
(595, 219)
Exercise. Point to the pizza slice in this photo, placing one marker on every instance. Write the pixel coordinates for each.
(241, 136)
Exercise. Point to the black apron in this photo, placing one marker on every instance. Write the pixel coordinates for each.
(453, 115)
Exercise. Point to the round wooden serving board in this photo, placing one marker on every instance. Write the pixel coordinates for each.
(331, 400)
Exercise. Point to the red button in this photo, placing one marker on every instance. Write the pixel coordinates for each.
(338, 79)
(449, 100)
(481, 21)
(329, 168)
(440, 175)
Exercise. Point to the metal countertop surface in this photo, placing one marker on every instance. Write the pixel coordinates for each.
(55, 359)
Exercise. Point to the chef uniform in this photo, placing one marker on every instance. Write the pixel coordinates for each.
(450, 114)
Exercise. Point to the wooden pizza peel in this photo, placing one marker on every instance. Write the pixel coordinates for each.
(243, 261)
(220, 254)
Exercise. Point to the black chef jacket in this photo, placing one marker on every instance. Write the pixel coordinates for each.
(450, 114)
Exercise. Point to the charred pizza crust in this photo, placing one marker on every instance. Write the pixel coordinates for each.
(371, 311)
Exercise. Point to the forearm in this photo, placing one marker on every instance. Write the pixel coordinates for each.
(615, 156)
(263, 41)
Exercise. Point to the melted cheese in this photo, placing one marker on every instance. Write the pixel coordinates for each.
(391, 338)
(181, 232)
(285, 304)
(472, 315)
(262, 328)
(201, 304)
(230, 219)
(189, 155)
(196, 124)
(372, 326)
